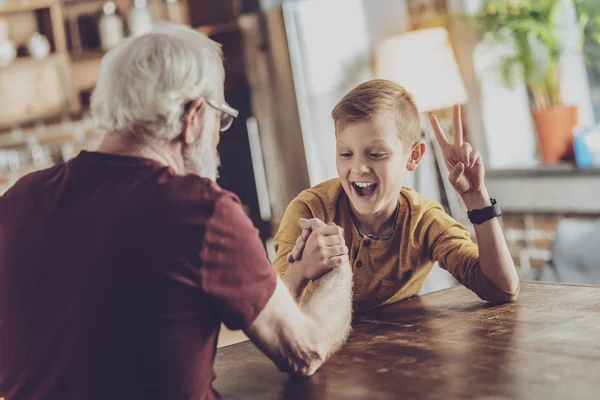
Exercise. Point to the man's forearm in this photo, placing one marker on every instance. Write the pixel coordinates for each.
(300, 340)
(330, 307)
(494, 256)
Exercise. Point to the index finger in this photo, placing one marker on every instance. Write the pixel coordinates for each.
(329, 230)
(312, 223)
(439, 132)
(458, 130)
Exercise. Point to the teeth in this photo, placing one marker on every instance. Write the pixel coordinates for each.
(364, 184)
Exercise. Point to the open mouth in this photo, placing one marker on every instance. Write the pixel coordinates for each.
(364, 189)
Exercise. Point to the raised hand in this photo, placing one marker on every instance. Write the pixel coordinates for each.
(464, 163)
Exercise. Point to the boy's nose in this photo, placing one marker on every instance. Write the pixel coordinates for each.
(361, 169)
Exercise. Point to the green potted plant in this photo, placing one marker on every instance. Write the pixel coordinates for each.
(588, 16)
(531, 27)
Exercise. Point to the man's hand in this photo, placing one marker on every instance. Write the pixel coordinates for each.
(463, 162)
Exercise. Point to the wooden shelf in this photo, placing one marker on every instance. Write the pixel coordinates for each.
(69, 2)
(21, 62)
(211, 30)
(15, 6)
(87, 55)
(8, 141)
(79, 2)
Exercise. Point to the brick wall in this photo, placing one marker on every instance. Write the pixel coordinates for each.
(530, 237)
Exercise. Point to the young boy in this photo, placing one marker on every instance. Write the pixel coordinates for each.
(392, 234)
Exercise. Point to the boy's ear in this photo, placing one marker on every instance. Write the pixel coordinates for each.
(416, 155)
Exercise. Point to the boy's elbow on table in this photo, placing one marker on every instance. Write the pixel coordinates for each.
(499, 295)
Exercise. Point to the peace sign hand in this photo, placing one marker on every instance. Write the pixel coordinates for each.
(463, 162)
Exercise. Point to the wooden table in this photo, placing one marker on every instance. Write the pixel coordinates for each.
(446, 345)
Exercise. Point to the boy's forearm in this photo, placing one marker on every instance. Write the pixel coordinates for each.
(494, 256)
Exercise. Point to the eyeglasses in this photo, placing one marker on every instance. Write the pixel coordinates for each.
(228, 114)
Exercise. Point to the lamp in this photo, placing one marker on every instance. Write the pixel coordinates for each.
(423, 62)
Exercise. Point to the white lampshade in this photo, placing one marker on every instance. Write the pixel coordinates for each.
(423, 62)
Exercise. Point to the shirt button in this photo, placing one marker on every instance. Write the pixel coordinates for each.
(407, 275)
(359, 264)
(367, 243)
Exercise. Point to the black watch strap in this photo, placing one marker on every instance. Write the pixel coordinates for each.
(481, 215)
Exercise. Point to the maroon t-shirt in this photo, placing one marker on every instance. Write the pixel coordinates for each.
(115, 275)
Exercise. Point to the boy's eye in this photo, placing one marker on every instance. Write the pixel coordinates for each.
(346, 155)
(377, 155)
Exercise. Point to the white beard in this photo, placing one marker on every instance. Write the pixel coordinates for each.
(203, 159)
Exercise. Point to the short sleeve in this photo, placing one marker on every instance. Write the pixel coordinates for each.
(236, 273)
(450, 244)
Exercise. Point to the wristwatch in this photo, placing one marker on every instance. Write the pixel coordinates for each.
(481, 215)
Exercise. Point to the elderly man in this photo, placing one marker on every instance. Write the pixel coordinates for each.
(118, 267)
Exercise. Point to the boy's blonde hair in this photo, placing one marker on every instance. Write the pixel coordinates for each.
(378, 98)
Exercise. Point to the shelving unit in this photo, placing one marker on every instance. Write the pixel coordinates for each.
(53, 17)
(32, 88)
(25, 5)
(217, 29)
(49, 13)
(59, 20)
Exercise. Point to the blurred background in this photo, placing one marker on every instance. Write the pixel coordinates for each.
(526, 72)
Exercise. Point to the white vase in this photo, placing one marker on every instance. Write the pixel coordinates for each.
(38, 46)
(8, 52)
(110, 27)
(140, 18)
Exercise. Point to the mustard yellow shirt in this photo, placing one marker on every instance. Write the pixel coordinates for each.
(386, 271)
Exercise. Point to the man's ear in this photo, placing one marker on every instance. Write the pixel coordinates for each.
(416, 155)
(193, 119)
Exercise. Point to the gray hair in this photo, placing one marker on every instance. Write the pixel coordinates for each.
(145, 82)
